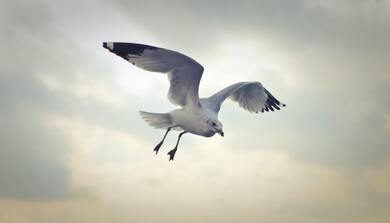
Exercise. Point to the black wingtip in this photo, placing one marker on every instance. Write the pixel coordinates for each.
(125, 49)
(109, 46)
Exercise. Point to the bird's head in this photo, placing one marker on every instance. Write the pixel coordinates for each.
(215, 126)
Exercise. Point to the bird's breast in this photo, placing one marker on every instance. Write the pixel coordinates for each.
(192, 122)
(208, 133)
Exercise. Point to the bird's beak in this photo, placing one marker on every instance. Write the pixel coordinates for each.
(221, 133)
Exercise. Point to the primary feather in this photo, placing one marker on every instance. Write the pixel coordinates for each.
(251, 96)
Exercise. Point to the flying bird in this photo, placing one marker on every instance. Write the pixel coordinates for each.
(198, 116)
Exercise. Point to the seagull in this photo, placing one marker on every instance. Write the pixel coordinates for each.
(198, 116)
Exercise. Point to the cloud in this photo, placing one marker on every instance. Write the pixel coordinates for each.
(38, 66)
(44, 73)
(219, 184)
(76, 210)
(72, 147)
(32, 156)
(307, 23)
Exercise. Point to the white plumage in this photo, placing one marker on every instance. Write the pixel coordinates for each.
(197, 115)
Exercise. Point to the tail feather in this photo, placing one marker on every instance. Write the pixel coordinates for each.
(157, 120)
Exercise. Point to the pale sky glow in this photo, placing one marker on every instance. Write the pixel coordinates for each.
(73, 147)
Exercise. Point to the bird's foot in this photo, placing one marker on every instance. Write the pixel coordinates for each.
(157, 147)
(172, 154)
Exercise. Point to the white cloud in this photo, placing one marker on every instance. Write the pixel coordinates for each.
(348, 9)
(387, 121)
(123, 172)
(86, 90)
(244, 59)
(378, 177)
(326, 60)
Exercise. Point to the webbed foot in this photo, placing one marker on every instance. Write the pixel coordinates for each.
(172, 153)
(157, 147)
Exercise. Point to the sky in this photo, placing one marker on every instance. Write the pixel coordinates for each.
(73, 147)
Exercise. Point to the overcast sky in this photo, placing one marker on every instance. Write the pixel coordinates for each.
(74, 149)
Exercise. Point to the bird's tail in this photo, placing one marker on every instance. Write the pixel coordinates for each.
(157, 120)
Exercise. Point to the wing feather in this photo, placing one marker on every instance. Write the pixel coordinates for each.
(251, 96)
(184, 73)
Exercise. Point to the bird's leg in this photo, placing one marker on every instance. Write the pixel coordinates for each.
(162, 141)
(173, 151)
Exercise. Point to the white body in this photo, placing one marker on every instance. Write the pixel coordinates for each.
(194, 120)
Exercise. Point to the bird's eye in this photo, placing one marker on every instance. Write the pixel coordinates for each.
(213, 123)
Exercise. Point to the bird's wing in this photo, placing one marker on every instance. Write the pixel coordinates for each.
(184, 73)
(251, 96)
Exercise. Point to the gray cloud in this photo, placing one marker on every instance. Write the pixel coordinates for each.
(32, 160)
(299, 23)
(338, 53)
(33, 156)
(335, 120)
(32, 164)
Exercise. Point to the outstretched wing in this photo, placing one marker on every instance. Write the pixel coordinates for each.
(251, 96)
(184, 73)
